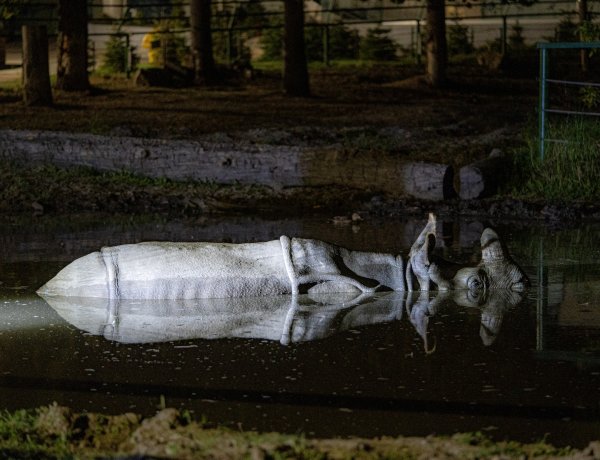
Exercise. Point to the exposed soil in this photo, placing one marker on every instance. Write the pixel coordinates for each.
(57, 432)
(342, 98)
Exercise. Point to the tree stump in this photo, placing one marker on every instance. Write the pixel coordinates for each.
(36, 71)
(428, 181)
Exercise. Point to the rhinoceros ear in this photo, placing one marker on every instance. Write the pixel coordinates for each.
(491, 247)
(429, 229)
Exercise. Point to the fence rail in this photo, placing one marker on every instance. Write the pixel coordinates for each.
(487, 22)
(543, 108)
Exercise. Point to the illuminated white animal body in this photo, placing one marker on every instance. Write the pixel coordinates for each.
(168, 270)
(157, 270)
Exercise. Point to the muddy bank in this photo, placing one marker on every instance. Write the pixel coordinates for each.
(47, 172)
(57, 432)
(506, 208)
(336, 153)
(48, 190)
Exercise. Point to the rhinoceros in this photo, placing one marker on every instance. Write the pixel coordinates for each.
(171, 270)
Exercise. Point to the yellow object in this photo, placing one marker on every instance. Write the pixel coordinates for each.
(151, 42)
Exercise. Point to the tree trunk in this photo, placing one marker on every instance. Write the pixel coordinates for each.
(2, 51)
(71, 72)
(436, 43)
(582, 12)
(36, 71)
(202, 48)
(295, 72)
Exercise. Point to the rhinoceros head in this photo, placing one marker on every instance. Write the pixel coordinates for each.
(496, 270)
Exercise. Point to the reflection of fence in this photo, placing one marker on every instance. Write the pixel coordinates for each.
(544, 110)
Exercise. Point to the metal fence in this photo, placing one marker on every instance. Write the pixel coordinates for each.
(486, 21)
(545, 81)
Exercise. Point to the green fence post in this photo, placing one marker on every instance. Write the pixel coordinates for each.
(542, 100)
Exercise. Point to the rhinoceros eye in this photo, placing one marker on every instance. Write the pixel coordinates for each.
(473, 283)
(476, 282)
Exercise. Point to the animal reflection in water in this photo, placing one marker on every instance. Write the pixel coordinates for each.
(290, 290)
(287, 319)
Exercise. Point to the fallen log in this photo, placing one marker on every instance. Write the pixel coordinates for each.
(428, 181)
(276, 166)
(482, 178)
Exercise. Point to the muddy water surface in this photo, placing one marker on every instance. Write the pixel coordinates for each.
(519, 366)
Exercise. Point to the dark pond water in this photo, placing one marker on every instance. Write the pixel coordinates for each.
(524, 367)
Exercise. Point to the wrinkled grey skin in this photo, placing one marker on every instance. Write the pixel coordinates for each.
(287, 266)
(421, 264)
(493, 286)
(496, 271)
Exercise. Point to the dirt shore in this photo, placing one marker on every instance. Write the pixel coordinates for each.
(57, 432)
(374, 111)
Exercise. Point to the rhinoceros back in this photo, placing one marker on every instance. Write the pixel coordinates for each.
(156, 270)
(169, 270)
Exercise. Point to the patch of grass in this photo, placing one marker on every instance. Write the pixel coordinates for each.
(19, 438)
(487, 448)
(84, 188)
(57, 432)
(49, 189)
(11, 86)
(571, 165)
(268, 65)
